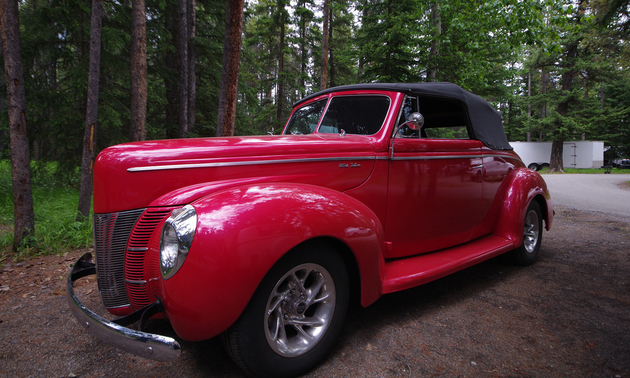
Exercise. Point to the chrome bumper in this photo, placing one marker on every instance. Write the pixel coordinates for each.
(148, 345)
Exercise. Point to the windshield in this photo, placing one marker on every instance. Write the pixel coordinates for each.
(359, 115)
(305, 119)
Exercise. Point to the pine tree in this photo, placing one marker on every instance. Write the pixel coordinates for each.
(24, 217)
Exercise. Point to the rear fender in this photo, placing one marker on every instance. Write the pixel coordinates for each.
(525, 186)
(243, 231)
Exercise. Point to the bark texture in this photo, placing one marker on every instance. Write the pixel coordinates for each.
(434, 52)
(91, 113)
(280, 92)
(331, 50)
(192, 79)
(229, 74)
(556, 163)
(182, 48)
(24, 218)
(326, 13)
(138, 52)
(171, 82)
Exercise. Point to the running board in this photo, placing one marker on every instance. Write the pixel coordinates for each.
(401, 274)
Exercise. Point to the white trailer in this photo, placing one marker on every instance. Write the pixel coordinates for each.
(578, 154)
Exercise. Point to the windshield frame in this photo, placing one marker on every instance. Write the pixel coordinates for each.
(329, 99)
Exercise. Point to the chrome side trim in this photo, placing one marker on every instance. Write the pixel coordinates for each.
(438, 157)
(242, 163)
(314, 160)
(147, 345)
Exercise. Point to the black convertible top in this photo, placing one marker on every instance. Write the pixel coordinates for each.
(485, 121)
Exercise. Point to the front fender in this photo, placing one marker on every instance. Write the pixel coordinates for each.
(525, 186)
(243, 231)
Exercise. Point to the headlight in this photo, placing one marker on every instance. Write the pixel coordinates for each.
(177, 236)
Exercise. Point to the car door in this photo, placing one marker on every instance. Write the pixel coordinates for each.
(435, 184)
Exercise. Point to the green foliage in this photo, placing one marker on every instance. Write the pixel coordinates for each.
(389, 32)
(597, 101)
(56, 228)
(487, 47)
(6, 200)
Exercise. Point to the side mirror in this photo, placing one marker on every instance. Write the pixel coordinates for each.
(415, 121)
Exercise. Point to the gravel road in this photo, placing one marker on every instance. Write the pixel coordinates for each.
(603, 194)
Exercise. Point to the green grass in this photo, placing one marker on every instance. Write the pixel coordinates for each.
(55, 201)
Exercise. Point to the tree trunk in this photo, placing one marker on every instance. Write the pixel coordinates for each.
(362, 58)
(529, 103)
(436, 20)
(23, 214)
(229, 75)
(192, 79)
(280, 93)
(331, 59)
(303, 51)
(326, 12)
(543, 108)
(182, 48)
(171, 112)
(138, 54)
(388, 54)
(91, 114)
(556, 163)
(3, 129)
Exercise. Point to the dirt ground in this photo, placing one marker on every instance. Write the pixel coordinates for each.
(567, 315)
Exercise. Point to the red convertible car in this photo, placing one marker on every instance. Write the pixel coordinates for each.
(264, 240)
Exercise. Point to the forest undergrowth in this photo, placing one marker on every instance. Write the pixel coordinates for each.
(55, 198)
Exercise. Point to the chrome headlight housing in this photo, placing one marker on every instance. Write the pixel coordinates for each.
(177, 236)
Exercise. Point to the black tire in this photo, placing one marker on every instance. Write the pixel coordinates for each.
(527, 253)
(533, 166)
(305, 293)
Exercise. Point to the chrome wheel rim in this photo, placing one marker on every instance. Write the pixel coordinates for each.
(531, 231)
(299, 310)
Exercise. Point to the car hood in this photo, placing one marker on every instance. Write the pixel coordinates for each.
(142, 174)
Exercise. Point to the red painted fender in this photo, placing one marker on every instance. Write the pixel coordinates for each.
(525, 186)
(243, 231)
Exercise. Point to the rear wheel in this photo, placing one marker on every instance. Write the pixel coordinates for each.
(294, 317)
(527, 253)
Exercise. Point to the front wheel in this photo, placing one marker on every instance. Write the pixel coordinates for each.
(294, 317)
(527, 253)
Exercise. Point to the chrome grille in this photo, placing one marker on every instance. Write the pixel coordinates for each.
(142, 269)
(111, 232)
